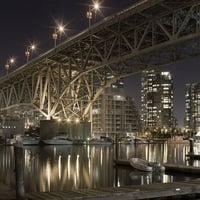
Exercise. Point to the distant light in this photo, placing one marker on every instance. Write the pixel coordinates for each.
(68, 120)
(7, 66)
(96, 6)
(33, 47)
(61, 28)
(12, 60)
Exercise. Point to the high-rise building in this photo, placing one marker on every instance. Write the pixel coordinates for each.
(114, 113)
(157, 100)
(192, 107)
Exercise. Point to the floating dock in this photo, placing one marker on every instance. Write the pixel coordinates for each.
(168, 167)
(162, 191)
(182, 169)
(6, 193)
(176, 190)
(193, 156)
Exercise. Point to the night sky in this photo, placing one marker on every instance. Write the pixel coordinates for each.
(26, 21)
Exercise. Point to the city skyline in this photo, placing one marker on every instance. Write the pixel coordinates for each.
(183, 72)
(24, 22)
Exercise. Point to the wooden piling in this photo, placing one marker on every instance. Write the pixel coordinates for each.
(19, 172)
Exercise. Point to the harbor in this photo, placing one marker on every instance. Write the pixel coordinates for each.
(108, 108)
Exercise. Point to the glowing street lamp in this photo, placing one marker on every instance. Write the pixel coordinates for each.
(60, 29)
(96, 6)
(89, 14)
(29, 50)
(10, 62)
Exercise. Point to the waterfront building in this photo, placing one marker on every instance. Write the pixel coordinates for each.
(114, 113)
(157, 100)
(192, 107)
(10, 128)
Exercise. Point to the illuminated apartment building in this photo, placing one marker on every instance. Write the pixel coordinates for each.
(192, 107)
(157, 100)
(114, 113)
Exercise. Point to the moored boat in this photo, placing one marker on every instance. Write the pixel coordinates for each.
(140, 164)
(101, 141)
(58, 140)
(144, 165)
(28, 140)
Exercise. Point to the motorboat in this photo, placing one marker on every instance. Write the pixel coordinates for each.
(140, 164)
(101, 141)
(144, 165)
(58, 140)
(29, 140)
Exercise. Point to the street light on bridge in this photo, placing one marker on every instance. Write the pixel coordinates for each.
(29, 50)
(89, 14)
(60, 29)
(10, 62)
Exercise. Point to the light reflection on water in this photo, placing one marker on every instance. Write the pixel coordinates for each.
(57, 168)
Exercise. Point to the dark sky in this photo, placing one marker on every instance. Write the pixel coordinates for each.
(25, 21)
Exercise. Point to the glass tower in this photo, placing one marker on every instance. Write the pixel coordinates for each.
(192, 107)
(114, 113)
(157, 100)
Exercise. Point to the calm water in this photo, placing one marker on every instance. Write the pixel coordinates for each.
(54, 168)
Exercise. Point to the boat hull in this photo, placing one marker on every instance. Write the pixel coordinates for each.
(140, 164)
(57, 142)
(30, 142)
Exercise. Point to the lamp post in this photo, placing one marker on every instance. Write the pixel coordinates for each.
(28, 51)
(89, 13)
(9, 63)
(60, 29)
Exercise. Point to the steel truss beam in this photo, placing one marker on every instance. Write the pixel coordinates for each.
(66, 80)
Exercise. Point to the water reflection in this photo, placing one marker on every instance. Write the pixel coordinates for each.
(57, 168)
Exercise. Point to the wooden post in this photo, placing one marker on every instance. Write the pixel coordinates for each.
(116, 147)
(19, 171)
(191, 140)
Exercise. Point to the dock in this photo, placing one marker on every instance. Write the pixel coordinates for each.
(6, 193)
(122, 162)
(182, 169)
(168, 167)
(161, 191)
(193, 156)
(176, 190)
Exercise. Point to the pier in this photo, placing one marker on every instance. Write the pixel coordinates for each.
(193, 156)
(176, 190)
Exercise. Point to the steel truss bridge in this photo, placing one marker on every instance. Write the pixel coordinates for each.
(66, 80)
